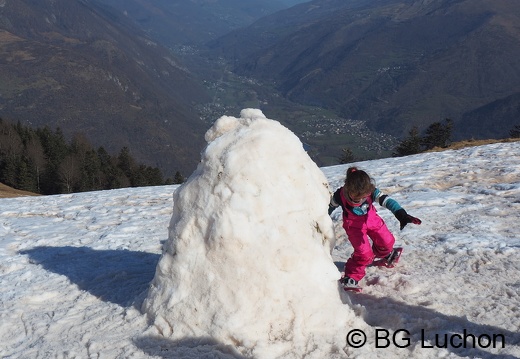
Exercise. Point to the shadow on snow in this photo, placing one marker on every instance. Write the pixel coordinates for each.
(186, 348)
(116, 276)
(427, 328)
(122, 277)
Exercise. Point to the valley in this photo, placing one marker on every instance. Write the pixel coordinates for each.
(154, 75)
(325, 133)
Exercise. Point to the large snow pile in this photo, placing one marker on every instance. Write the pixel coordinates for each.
(248, 261)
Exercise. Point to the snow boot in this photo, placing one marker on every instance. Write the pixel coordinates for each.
(390, 260)
(350, 284)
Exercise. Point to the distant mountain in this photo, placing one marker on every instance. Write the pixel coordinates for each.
(392, 63)
(290, 3)
(493, 120)
(83, 66)
(194, 22)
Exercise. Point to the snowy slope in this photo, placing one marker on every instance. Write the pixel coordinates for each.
(75, 268)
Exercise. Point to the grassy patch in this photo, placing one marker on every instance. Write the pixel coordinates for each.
(9, 192)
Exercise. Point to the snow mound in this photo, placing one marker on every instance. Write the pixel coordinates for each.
(248, 261)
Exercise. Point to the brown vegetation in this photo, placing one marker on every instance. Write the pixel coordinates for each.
(472, 143)
(9, 192)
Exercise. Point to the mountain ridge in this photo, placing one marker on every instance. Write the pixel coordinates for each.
(86, 65)
(394, 64)
(69, 64)
(192, 23)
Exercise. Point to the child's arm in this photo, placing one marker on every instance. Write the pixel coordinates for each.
(386, 201)
(394, 206)
(404, 218)
(335, 200)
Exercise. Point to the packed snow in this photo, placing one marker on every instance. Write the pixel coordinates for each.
(249, 227)
(236, 263)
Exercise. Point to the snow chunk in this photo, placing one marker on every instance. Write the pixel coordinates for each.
(248, 261)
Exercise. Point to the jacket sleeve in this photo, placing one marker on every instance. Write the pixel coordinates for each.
(335, 201)
(386, 201)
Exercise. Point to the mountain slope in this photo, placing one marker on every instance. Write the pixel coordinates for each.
(75, 64)
(491, 120)
(392, 63)
(181, 22)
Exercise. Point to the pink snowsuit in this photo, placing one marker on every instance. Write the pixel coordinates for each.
(359, 229)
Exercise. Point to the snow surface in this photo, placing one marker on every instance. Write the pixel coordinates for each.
(75, 269)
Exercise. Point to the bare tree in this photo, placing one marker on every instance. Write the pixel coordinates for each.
(34, 151)
(69, 172)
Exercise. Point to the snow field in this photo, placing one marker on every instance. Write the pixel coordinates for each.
(75, 269)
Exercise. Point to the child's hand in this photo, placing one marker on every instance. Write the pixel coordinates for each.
(404, 218)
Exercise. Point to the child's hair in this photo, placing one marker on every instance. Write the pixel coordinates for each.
(358, 183)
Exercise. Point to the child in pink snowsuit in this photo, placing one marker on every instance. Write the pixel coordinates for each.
(361, 223)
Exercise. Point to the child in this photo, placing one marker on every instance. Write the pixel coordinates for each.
(361, 222)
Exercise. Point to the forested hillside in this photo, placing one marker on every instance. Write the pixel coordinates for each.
(42, 161)
(85, 68)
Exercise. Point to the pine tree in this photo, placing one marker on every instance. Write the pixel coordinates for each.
(346, 156)
(91, 172)
(9, 171)
(11, 150)
(410, 145)
(178, 178)
(154, 176)
(56, 149)
(26, 180)
(125, 162)
(438, 135)
(515, 132)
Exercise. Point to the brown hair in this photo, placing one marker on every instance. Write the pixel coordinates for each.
(358, 183)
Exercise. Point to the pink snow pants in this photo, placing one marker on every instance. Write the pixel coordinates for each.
(360, 229)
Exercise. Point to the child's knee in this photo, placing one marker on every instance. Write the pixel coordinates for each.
(363, 258)
(382, 250)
